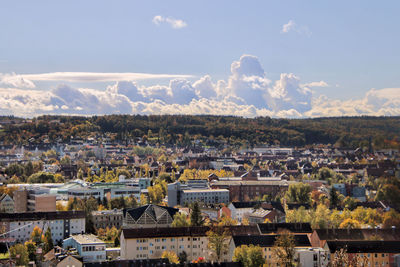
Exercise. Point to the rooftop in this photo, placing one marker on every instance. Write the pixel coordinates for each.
(87, 239)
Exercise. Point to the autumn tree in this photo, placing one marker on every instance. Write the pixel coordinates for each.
(20, 254)
(249, 256)
(218, 239)
(36, 235)
(180, 220)
(340, 258)
(171, 256)
(283, 249)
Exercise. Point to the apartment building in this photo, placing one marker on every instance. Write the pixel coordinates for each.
(179, 194)
(62, 224)
(304, 253)
(6, 204)
(38, 200)
(245, 190)
(107, 218)
(150, 243)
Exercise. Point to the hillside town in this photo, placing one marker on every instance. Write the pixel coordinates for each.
(102, 202)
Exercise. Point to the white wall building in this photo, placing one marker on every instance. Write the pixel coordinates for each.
(62, 224)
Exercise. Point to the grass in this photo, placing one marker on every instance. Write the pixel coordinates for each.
(4, 256)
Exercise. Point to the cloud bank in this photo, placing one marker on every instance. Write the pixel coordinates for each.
(246, 92)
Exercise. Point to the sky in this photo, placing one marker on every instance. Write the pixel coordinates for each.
(245, 58)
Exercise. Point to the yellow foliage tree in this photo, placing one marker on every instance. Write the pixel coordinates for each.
(171, 256)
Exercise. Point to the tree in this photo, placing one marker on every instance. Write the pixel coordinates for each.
(48, 241)
(283, 250)
(180, 220)
(299, 193)
(249, 256)
(31, 248)
(350, 223)
(117, 242)
(334, 198)
(182, 256)
(321, 217)
(340, 258)
(195, 216)
(171, 256)
(20, 254)
(36, 235)
(226, 221)
(218, 242)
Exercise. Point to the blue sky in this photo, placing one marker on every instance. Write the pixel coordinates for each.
(350, 45)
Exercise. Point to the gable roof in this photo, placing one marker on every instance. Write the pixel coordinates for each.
(365, 246)
(268, 228)
(358, 234)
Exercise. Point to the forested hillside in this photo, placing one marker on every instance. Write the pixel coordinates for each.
(384, 132)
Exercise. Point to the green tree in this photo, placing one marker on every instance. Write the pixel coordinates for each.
(283, 249)
(218, 239)
(31, 248)
(249, 256)
(195, 216)
(299, 193)
(182, 256)
(333, 198)
(20, 254)
(48, 241)
(180, 220)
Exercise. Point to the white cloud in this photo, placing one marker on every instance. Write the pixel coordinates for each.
(86, 77)
(174, 23)
(316, 84)
(16, 81)
(292, 26)
(247, 92)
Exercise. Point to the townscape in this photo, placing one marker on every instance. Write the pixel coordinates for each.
(81, 191)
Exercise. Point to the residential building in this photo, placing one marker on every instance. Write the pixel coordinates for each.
(89, 247)
(20, 200)
(107, 218)
(150, 243)
(6, 204)
(241, 210)
(304, 253)
(70, 261)
(148, 216)
(370, 252)
(181, 194)
(62, 224)
(42, 202)
(240, 190)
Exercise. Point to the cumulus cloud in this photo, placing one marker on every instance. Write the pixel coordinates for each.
(13, 79)
(247, 92)
(174, 23)
(291, 26)
(16, 81)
